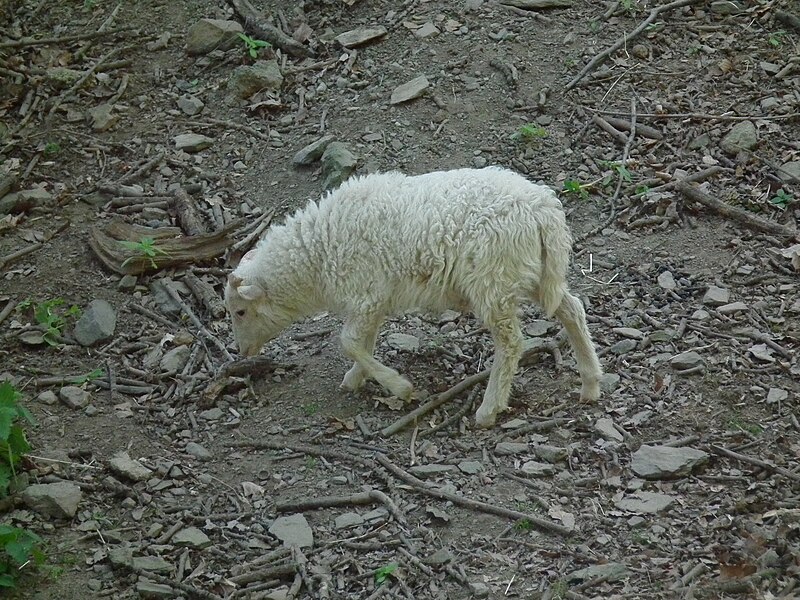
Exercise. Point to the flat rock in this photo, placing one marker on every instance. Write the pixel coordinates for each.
(629, 332)
(123, 465)
(192, 142)
(508, 448)
(535, 468)
(608, 571)
(470, 467)
(247, 80)
(293, 530)
(433, 470)
(102, 117)
(96, 324)
(410, 90)
(212, 414)
(156, 564)
(312, 152)
(742, 136)
(513, 424)
(361, 35)
(175, 359)
(198, 451)
(338, 163)
(716, 296)
(191, 537)
(686, 360)
(74, 397)
(645, 503)
(347, 520)
(775, 395)
(59, 500)
(47, 397)
(609, 382)
(212, 34)
(732, 308)
(623, 347)
(149, 590)
(726, 7)
(605, 427)
(426, 30)
(550, 454)
(25, 201)
(790, 172)
(190, 105)
(666, 462)
(403, 341)
(761, 352)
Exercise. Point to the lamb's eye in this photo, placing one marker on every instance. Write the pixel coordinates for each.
(240, 312)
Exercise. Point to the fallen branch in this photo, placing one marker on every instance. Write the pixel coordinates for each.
(255, 25)
(755, 461)
(626, 39)
(695, 194)
(21, 43)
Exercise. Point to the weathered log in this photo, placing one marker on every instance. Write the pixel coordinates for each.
(256, 26)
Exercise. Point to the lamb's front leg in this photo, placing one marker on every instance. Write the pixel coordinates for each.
(507, 337)
(356, 376)
(355, 335)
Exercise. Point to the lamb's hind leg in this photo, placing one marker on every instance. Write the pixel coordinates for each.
(356, 376)
(507, 336)
(355, 335)
(573, 317)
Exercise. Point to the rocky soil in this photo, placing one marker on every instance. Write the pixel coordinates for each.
(144, 147)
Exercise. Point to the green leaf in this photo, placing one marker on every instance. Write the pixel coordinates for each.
(20, 550)
(7, 416)
(384, 572)
(7, 581)
(17, 441)
(8, 393)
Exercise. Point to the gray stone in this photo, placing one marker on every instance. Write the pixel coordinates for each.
(629, 332)
(293, 530)
(732, 308)
(174, 360)
(127, 283)
(478, 589)
(47, 397)
(120, 556)
(58, 500)
(686, 360)
(433, 470)
(74, 397)
(102, 117)
(403, 341)
(192, 142)
(508, 448)
(248, 80)
(62, 77)
(470, 467)
(667, 281)
(165, 302)
(769, 68)
(190, 105)
(645, 503)
(25, 200)
(361, 35)
(742, 136)
(124, 466)
(156, 564)
(608, 571)
(427, 30)
(441, 557)
(665, 462)
(609, 382)
(789, 173)
(761, 352)
(97, 323)
(313, 151)
(775, 395)
(212, 34)
(623, 347)
(149, 590)
(726, 7)
(198, 451)
(514, 424)
(538, 328)
(338, 163)
(701, 141)
(347, 520)
(212, 414)
(605, 427)
(537, 469)
(191, 537)
(410, 90)
(550, 454)
(716, 296)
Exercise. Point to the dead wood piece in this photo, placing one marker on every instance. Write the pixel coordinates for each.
(7, 310)
(144, 169)
(695, 194)
(643, 130)
(626, 39)
(182, 207)
(610, 129)
(268, 573)
(788, 19)
(205, 293)
(537, 4)
(454, 418)
(172, 250)
(21, 43)
(305, 504)
(263, 222)
(256, 25)
(189, 590)
(255, 366)
(755, 461)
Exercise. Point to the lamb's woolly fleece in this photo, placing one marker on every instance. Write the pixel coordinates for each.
(447, 239)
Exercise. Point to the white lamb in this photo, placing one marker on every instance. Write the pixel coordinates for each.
(479, 240)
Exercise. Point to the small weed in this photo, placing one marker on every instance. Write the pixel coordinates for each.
(737, 423)
(145, 248)
(523, 525)
(89, 4)
(91, 376)
(252, 45)
(383, 573)
(574, 187)
(559, 590)
(629, 6)
(310, 409)
(529, 132)
(52, 320)
(642, 190)
(20, 548)
(781, 199)
(311, 463)
(51, 148)
(776, 38)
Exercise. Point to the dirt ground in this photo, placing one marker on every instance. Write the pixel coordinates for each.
(694, 309)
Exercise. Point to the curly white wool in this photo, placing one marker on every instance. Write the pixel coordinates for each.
(481, 240)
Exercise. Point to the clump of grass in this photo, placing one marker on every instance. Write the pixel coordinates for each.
(528, 133)
(253, 45)
(145, 248)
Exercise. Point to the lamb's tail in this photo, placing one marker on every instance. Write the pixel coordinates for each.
(556, 249)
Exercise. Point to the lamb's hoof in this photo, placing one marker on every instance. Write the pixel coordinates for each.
(485, 419)
(590, 393)
(403, 390)
(353, 381)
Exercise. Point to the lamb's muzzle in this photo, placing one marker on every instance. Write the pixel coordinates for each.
(480, 240)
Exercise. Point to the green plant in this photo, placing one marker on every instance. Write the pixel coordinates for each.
(91, 376)
(51, 320)
(145, 248)
(736, 423)
(628, 6)
(776, 38)
(781, 199)
(641, 190)
(559, 589)
(523, 525)
(311, 462)
(574, 187)
(383, 573)
(252, 45)
(13, 443)
(52, 148)
(310, 409)
(529, 133)
(20, 548)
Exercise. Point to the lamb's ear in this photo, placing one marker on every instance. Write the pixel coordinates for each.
(234, 280)
(251, 292)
